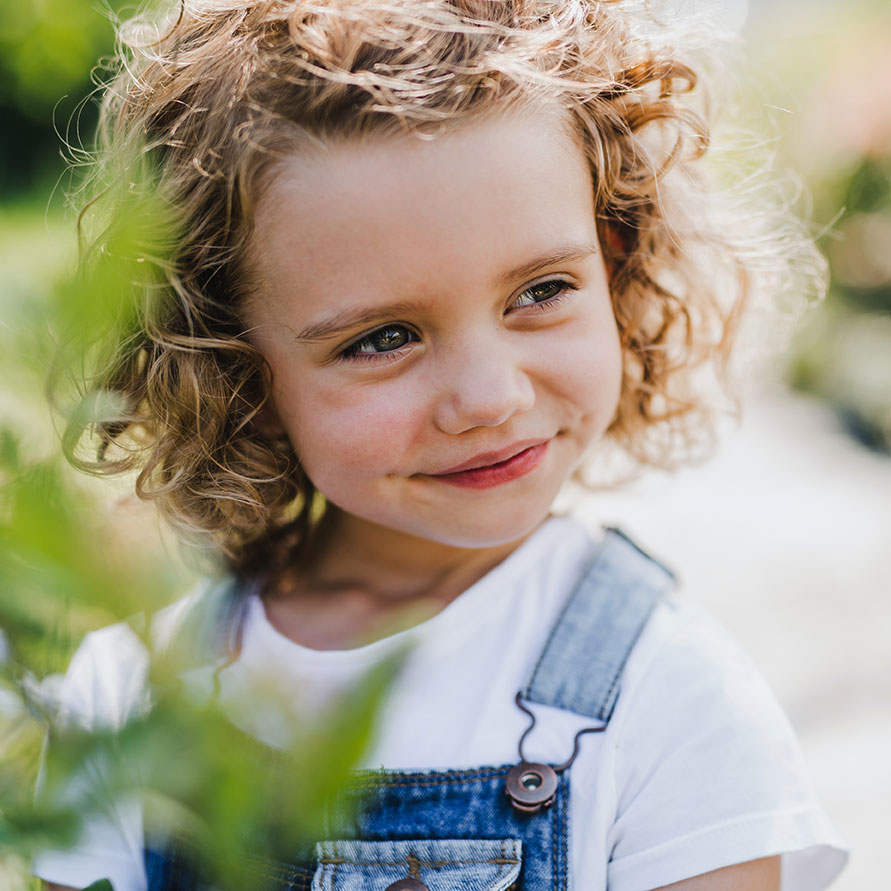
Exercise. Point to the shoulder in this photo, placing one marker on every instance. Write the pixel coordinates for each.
(694, 689)
(683, 641)
(106, 681)
(707, 767)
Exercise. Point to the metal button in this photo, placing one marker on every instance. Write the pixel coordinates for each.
(531, 787)
(407, 885)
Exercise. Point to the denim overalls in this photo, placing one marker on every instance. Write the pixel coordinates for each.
(461, 830)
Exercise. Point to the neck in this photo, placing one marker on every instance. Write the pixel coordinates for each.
(392, 566)
(359, 581)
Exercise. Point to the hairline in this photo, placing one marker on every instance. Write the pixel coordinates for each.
(294, 140)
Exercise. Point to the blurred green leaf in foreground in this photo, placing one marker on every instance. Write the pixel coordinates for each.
(66, 568)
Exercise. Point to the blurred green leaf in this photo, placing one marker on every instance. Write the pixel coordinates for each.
(48, 48)
(65, 568)
(203, 779)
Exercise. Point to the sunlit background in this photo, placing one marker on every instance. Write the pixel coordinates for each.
(786, 534)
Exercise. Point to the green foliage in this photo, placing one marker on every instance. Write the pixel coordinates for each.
(65, 569)
(201, 777)
(48, 49)
(58, 577)
(861, 268)
(839, 139)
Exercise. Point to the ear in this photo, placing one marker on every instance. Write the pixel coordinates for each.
(267, 421)
(614, 240)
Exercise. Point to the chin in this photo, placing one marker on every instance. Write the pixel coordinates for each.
(489, 535)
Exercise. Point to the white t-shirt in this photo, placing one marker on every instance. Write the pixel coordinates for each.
(698, 769)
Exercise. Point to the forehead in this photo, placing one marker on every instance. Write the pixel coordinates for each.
(399, 215)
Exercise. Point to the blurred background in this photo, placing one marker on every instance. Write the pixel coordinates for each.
(786, 534)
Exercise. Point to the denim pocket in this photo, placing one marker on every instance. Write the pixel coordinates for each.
(441, 865)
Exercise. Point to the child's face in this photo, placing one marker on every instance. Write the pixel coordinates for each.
(438, 324)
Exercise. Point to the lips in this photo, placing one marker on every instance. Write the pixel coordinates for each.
(495, 468)
(487, 459)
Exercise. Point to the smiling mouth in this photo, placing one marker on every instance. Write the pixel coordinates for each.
(483, 472)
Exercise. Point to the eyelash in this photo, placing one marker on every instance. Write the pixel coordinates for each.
(352, 352)
(550, 302)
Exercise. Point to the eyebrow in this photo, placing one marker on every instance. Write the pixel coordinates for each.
(570, 253)
(356, 318)
(337, 323)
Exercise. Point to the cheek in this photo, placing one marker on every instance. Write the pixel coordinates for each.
(592, 370)
(609, 375)
(351, 432)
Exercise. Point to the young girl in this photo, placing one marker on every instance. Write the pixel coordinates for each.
(433, 254)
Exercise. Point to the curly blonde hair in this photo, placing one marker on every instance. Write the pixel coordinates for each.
(213, 95)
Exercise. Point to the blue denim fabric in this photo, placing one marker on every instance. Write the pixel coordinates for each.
(581, 665)
(459, 810)
(457, 829)
(467, 865)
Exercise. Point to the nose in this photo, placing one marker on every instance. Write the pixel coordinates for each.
(482, 386)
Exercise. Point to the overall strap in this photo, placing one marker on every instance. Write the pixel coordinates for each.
(582, 662)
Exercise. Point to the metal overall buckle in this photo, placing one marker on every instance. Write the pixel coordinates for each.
(531, 787)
